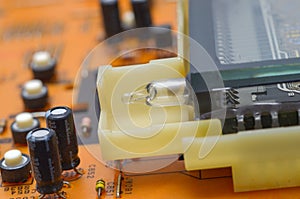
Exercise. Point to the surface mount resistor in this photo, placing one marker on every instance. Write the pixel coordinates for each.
(60, 119)
(45, 160)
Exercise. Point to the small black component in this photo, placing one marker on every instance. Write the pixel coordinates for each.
(36, 100)
(60, 119)
(249, 121)
(19, 134)
(230, 125)
(230, 122)
(266, 120)
(43, 148)
(142, 13)
(288, 118)
(111, 17)
(17, 173)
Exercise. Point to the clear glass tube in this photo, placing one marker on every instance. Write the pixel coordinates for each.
(163, 93)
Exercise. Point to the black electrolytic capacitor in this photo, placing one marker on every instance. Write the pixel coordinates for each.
(60, 119)
(111, 17)
(142, 13)
(45, 160)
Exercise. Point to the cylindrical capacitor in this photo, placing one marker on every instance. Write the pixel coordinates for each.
(111, 17)
(60, 119)
(142, 13)
(15, 167)
(23, 124)
(45, 160)
(43, 65)
(34, 94)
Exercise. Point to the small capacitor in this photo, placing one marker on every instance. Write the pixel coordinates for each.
(141, 9)
(23, 124)
(34, 94)
(43, 65)
(111, 17)
(44, 154)
(15, 167)
(60, 119)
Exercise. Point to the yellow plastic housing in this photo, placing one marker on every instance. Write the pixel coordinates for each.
(138, 130)
(260, 159)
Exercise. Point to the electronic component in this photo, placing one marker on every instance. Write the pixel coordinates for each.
(128, 20)
(142, 14)
(34, 94)
(171, 92)
(100, 185)
(266, 120)
(2, 124)
(119, 185)
(23, 124)
(60, 119)
(43, 65)
(86, 126)
(45, 157)
(288, 117)
(249, 121)
(111, 17)
(15, 167)
(253, 42)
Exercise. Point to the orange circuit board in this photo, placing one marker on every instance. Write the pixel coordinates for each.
(69, 30)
